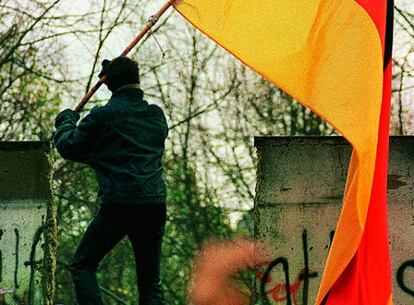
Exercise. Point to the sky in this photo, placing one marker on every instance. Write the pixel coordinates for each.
(79, 54)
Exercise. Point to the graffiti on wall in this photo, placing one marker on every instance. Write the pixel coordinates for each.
(401, 280)
(23, 264)
(287, 293)
(296, 292)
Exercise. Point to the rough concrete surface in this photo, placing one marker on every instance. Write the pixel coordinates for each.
(298, 201)
(25, 196)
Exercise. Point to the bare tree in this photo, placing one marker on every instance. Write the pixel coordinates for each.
(403, 70)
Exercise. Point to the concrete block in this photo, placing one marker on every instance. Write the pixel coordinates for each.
(297, 205)
(25, 196)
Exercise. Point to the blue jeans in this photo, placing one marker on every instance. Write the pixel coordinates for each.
(144, 226)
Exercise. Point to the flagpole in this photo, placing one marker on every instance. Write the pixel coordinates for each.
(151, 22)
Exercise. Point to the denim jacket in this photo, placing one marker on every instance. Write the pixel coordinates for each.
(123, 142)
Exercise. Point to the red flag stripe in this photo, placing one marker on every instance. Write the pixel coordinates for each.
(367, 279)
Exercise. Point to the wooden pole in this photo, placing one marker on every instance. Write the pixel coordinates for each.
(151, 22)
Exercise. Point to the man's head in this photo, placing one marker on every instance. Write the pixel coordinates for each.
(119, 72)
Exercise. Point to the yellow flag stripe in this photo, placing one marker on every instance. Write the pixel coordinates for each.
(326, 54)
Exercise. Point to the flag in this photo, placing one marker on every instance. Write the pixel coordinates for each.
(367, 278)
(329, 56)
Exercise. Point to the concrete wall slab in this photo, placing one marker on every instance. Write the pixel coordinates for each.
(298, 201)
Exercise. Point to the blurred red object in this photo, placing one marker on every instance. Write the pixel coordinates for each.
(214, 269)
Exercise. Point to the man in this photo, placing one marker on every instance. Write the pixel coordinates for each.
(123, 142)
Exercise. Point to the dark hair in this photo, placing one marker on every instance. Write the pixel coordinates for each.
(121, 71)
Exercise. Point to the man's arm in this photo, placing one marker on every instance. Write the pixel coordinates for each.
(76, 142)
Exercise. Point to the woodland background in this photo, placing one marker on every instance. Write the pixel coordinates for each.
(50, 54)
